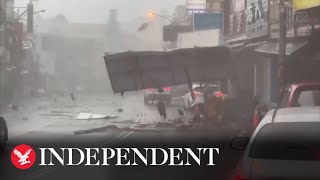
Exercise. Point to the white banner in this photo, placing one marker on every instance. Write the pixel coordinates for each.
(196, 4)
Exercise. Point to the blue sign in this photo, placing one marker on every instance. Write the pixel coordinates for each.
(206, 21)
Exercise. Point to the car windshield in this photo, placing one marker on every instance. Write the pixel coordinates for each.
(287, 141)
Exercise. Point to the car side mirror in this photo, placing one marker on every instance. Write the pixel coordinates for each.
(239, 143)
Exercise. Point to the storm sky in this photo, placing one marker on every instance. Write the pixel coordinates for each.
(96, 11)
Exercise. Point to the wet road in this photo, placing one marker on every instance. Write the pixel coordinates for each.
(53, 124)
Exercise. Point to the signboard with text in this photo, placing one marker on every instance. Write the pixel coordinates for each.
(237, 19)
(208, 21)
(26, 44)
(256, 18)
(305, 4)
(196, 6)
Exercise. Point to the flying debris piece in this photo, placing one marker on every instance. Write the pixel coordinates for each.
(143, 26)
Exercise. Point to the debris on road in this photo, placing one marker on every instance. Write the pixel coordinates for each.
(124, 122)
(101, 129)
(57, 115)
(120, 110)
(181, 113)
(60, 112)
(91, 116)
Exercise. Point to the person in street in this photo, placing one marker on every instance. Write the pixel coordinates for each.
(72, 96)
(162, 109)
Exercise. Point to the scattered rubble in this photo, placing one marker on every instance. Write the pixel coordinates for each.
(91, 116)
(57, 115)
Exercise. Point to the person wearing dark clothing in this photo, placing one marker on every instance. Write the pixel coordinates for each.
(162, 109)
(73, 98)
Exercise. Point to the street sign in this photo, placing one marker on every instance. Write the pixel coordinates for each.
(257, 20)
(208, 21)
(196, 6)
(193, 11)
(26, 44)
(236, 24)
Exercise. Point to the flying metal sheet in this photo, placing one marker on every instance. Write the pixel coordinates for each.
(132, 71)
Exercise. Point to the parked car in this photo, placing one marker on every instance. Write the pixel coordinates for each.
(285, 145)
(198, 93)
(153, 94)
(301, 95)
(295, 95)
(3, 133)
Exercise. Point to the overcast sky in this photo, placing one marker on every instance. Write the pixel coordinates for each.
(96, 11)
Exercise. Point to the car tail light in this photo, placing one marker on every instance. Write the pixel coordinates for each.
(237, 175)
(256, 119)
(196, 93)
(167, 89)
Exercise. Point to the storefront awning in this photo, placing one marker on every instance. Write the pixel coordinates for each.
(273, 47)
(305, 4)
(132, 71)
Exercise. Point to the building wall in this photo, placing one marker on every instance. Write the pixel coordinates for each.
(255, 75)
(71, 56)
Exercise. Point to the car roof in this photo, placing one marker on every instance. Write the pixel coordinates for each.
(305, 84)
(294, 114)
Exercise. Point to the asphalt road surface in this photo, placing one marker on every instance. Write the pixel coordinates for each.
(52, 123)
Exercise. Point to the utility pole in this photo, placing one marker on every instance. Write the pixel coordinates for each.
(269, 21)
(30, 13)
(282, 72)
(3, 44)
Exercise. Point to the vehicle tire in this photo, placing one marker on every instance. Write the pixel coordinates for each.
(3, 134)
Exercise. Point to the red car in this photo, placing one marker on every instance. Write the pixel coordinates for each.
(295, 95)
(301, 95)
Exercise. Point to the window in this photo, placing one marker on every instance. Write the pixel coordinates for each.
(288, 141)
(309, 98)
